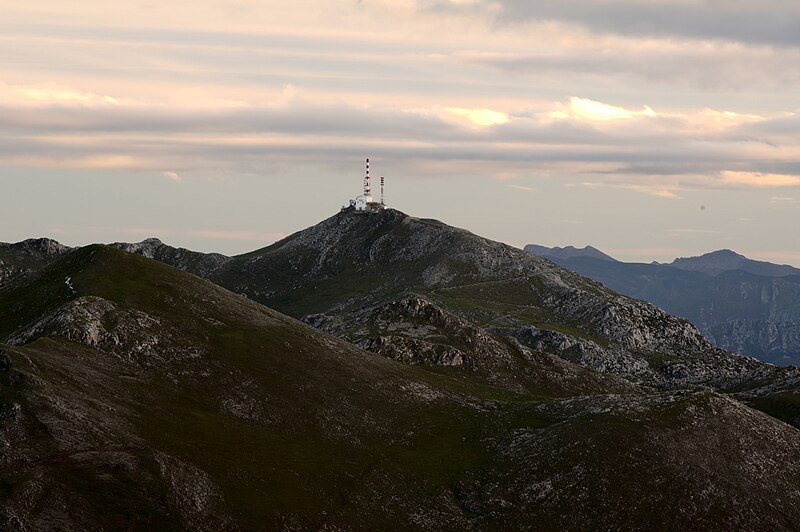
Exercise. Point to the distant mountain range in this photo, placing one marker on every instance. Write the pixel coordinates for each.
(739, 304)
(567, 252)
(373, 372)
(726, 260)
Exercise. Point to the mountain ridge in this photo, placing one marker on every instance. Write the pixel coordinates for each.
(723, 260)
(740, 335)
(134, 394)
(567, 252)
(713, 262)
(328, 274)
(346, 272)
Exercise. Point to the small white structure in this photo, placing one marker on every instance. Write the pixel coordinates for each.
(365, 203)
(361, 203)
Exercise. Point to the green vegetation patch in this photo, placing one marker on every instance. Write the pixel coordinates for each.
(784, 406)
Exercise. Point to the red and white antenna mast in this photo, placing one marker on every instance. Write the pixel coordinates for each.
(382, 202)
(367, 190)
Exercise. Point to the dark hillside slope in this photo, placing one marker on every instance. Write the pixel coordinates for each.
(136, 396)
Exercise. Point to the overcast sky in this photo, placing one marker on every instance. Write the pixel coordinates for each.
(648, 128)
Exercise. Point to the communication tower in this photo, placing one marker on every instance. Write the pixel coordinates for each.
(365, 202)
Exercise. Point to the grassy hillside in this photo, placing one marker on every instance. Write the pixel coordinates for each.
(139, 396)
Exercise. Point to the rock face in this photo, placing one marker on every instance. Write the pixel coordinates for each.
(776, 341)
(737, 310)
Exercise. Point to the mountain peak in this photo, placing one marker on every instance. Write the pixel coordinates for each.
(147, 248)
(46, 246)
(724, 253)
(568, 252)
(24, 257)
(723, 260)
(370, 278)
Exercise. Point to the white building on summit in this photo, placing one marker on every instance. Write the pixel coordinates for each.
(365, 203)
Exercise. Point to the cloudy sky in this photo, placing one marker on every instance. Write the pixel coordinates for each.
(648, 128)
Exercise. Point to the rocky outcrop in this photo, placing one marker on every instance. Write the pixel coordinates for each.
(589, 354)
(414, 330)
(128, 334)
(194, 494)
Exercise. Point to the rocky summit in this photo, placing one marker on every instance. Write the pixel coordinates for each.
(374, 372)
(368, 278)
(27, 256)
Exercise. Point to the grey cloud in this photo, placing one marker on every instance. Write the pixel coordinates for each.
(301, 119)
(709, 69)
(331, 64)
(341, 123)
(294, 119)
(751, 21)
(786, 129)
(156, 139)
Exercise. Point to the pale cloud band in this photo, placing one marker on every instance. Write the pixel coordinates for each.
(563, 88)
(659, 152)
